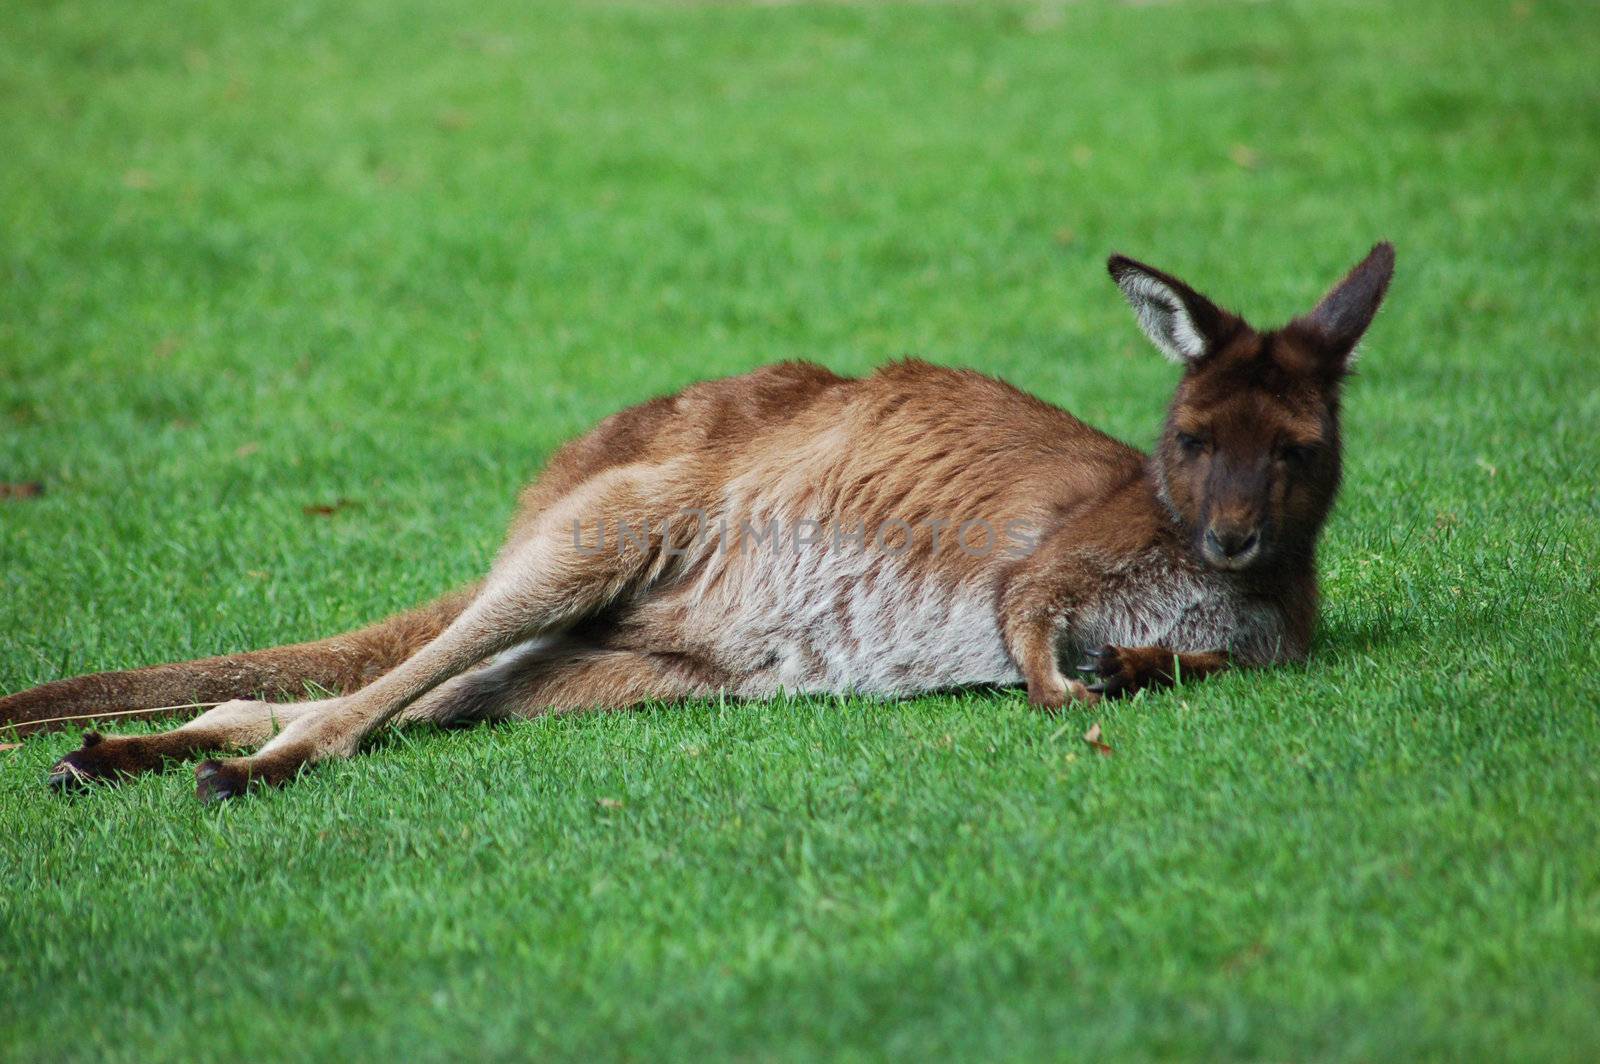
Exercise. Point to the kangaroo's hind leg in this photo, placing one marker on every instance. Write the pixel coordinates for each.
(560, 676)
(494, 690)
(543, 585)
(347, 661)
(342, 663)
(241, 724)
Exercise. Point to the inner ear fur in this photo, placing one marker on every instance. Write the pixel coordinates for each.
(1182, 323)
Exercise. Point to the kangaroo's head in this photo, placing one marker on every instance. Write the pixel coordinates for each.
(1248, 460)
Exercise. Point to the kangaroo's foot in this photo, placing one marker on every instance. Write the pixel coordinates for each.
(274, 764)
(238, 724)
(219, 779)
(106, 759)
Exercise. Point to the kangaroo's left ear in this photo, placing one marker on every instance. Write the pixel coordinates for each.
(1184, 324)
(1342, 317)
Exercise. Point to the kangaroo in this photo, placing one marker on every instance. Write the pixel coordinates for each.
(921, 528)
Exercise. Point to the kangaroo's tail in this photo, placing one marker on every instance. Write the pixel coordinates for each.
(341, 664)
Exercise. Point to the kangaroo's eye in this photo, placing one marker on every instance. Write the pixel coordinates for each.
(1192, 445)
(1294, 453)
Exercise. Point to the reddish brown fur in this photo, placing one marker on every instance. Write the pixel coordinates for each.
(341, 663)
(1215, 532)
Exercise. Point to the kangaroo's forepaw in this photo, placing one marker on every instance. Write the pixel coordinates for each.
(103, 759)
(1121, 670)
(1052, 695)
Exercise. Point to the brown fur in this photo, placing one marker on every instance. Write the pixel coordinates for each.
(342, 663)
(1210, 539)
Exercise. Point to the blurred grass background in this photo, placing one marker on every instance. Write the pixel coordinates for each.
(263, 261)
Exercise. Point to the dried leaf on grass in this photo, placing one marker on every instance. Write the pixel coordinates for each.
(9, 746)
(1245, 157)
(328, 509)
(30, 489)
(1092, 737)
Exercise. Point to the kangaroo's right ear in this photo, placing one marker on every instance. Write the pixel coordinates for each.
(1184, 324)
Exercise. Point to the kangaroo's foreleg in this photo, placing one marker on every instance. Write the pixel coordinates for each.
(1125, 670)
(546, 583)
(1037, 604)
(1040, 603)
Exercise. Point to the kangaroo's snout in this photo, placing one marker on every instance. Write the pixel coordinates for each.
(1231, 546)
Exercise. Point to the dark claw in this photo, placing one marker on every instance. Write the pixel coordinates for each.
(80, 768)
(1096, 688)
(1095, 661)
(213, 783)
(65, 777)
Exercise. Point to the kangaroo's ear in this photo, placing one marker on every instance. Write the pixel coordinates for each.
(1345, 312)
(1184, 324)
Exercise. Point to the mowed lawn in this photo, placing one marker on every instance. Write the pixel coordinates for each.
(294, 297)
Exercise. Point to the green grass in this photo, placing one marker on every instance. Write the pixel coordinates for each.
(259, 257)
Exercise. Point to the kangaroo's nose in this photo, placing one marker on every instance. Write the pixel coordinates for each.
(1231, 542)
